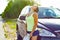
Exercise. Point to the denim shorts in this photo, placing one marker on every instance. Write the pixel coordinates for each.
(36, 33)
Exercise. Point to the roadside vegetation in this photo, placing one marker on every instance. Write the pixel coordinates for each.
(10, 15)
(10, 29)
(14, 8)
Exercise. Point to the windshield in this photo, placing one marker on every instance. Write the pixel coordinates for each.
(45, 12)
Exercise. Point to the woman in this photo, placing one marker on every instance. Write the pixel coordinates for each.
(32, 21)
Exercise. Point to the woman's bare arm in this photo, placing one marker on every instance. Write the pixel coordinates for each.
(35, 15)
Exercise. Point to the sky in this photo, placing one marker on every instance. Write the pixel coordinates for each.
(3, 4)
(46, 3)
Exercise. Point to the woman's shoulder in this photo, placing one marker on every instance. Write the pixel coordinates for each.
(35, 14)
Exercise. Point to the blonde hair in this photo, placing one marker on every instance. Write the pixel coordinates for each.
(35, 8)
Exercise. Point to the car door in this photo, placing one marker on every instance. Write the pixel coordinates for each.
(48, 18)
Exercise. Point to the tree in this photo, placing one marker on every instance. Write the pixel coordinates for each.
(14, 8)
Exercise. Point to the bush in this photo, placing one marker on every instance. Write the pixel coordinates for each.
(14, 8)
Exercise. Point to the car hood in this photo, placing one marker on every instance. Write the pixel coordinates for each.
(52, 24)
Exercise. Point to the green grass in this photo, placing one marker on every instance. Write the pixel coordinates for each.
(11, 24)
(10, 29)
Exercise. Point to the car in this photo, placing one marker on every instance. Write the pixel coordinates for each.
(48, 22)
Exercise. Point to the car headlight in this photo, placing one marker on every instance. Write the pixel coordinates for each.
(47, 33)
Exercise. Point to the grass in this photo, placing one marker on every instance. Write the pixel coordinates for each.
(10, 29)
(11, 24)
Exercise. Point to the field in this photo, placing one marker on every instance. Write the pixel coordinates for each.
(10, 29)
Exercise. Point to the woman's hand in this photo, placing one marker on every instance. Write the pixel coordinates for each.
(31, 34)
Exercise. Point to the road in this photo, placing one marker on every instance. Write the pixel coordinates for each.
(2, 37)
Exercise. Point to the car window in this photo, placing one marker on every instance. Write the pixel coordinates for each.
(24, 11)
(48, 13)
(57, 11)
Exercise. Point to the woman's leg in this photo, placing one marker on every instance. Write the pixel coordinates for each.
(34, 38)
(35, 35)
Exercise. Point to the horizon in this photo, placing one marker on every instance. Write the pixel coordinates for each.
(54, 3)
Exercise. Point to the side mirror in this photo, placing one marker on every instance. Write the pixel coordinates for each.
(22, 17)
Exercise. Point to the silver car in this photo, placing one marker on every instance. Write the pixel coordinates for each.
(48, 22)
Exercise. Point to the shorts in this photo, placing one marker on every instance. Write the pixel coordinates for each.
(36, 33)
